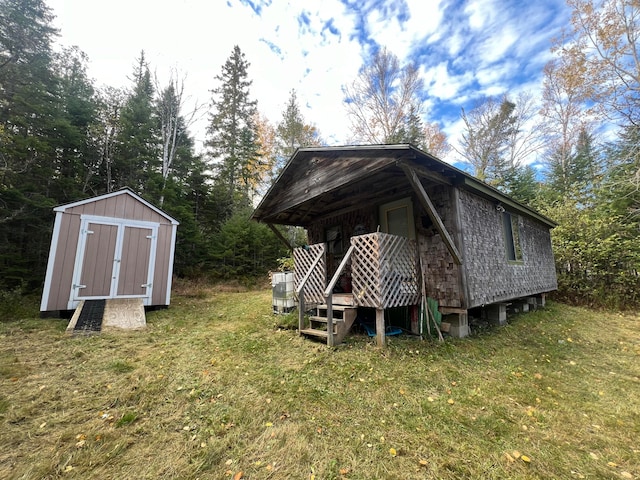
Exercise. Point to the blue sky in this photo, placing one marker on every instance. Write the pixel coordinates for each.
(465, 50)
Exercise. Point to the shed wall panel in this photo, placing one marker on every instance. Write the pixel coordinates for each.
(65, 256)
(161, 273)
(119, 206)
(491, 277)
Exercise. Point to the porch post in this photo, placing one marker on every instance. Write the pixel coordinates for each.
(301, 310)
(380, 331)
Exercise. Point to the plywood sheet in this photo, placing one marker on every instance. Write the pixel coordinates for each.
(125, 313)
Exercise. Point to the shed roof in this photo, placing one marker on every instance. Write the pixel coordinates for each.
(123, 191)
(322, 181)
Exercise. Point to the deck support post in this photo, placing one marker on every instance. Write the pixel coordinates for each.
(380, 330)
(330, 339)
(301, 311)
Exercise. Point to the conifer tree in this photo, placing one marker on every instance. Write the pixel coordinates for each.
(293, 132)
(232, 132)
(137, 147)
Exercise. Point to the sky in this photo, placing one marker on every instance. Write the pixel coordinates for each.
(466, 50)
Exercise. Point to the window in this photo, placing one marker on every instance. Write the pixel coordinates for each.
(511, 237)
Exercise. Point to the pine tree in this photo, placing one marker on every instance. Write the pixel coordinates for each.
(137, 145)
(232, 135)
(293, 132)
(30, 113)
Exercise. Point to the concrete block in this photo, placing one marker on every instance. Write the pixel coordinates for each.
(458, 325)
(497, 313)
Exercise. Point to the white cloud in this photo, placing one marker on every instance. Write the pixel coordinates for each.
(195, 37)
(440, 84)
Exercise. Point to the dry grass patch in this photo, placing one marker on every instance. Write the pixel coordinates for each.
(212, 388)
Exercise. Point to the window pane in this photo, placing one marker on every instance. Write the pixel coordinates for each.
(508, 236)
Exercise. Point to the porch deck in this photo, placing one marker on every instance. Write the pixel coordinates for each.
(384, 274)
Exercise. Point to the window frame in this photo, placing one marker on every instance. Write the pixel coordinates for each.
(512, 237)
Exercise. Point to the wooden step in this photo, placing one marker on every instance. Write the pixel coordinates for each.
(315, 333)
(313, 318)
(336, 308)
(343, 299)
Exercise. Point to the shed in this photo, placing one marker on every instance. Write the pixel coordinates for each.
(111, 246)
(384, 220)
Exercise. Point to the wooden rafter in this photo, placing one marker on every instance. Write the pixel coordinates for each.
(280, 236)
(426, 203)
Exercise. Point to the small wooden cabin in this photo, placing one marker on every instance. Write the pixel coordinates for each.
(115, 245)
(384, 220)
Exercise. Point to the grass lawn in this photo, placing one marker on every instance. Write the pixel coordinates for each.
(213, 389)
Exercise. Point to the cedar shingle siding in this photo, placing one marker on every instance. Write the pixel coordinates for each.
(490, 276)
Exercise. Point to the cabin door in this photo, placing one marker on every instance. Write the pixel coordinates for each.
(114, 259)
(396, 218)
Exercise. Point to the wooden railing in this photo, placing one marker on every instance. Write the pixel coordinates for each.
(384, 271)
(328, 294)
(384, 274)
(310, 270)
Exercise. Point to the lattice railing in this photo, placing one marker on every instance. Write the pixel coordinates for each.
(384, 271)
(303, 261)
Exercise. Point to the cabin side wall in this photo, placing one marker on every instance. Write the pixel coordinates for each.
(491, 277)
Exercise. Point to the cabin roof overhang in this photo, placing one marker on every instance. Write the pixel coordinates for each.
(321, 182)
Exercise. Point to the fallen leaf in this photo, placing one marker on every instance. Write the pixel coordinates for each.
(538, 376)
(268, 424)
(68, 468)
(626, 475)
(451, 401)
(509, 457)
(430, 399)
(402, 391)
(611, 464)
(393, 452)
(344, 471)
(525, 459)
(516, 454)
(593, 455)
(423, 463)
(237, 476)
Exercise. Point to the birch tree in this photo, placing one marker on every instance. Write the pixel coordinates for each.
(602, 48)
(173, 125)
(381, 98)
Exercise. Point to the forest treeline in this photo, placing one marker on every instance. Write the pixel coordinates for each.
(62, 139)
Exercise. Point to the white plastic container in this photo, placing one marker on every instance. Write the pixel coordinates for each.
(283, 292)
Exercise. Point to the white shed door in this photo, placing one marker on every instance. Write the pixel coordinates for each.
(114, 260)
